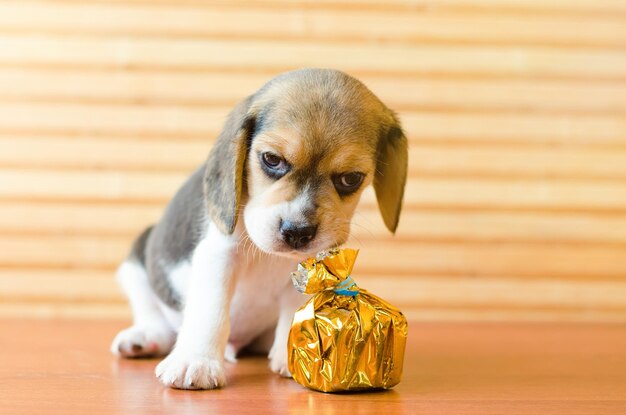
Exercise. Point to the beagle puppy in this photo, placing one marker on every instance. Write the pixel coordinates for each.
(280, 184)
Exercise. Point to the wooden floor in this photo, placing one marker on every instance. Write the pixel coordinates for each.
(55, 367)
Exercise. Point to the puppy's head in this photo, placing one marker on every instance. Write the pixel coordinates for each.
(298, 155)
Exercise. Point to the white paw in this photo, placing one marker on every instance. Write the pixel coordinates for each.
(278, 362)
(191, 372)
(138, 341)
(230, 354)
(280, 368)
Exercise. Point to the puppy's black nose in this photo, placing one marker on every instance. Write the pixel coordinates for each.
(297, 235)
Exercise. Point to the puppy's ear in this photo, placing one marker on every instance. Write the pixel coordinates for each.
(224, 174)
(391, 170)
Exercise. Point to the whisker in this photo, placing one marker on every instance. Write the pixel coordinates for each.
(365, 218)
(366, 229)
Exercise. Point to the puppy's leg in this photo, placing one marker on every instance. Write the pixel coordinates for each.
(289, 302)
(150, 335)
(197, 361)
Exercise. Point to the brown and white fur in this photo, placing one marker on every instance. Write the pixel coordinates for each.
(280, 184)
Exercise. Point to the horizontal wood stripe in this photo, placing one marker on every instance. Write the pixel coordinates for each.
(95, 310)
(560, 7)
(49, 218)
(176, 123)
(100, 286)
(225, 89)
(427, 159)
(166, 52)
(411, 258)
(159, 155)
(115, 185)
(289, 23)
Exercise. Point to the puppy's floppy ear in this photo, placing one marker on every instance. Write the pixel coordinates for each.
(391, 169)
(224, 174)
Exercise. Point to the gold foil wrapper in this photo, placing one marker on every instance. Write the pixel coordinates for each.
(344, 338)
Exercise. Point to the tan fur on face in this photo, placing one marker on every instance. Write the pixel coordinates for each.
(323, 123)
(332, 212)
(351, 156)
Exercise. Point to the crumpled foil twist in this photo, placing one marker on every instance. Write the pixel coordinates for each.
(343, 338)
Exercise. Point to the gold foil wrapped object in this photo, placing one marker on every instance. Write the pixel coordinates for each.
(344, 338)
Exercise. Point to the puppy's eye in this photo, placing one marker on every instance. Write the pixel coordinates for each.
(348, 183)
(273, 165)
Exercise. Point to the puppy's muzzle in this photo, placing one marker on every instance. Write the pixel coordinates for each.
(297, 235)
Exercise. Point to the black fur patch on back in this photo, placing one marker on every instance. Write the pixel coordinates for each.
(176, 236)
(138, 250)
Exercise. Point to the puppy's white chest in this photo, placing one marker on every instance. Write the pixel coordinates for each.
(262, 282)
(256, 301)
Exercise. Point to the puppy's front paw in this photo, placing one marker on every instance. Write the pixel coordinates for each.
(139, 341)
(191, 372)
(278, 358)
(278, 364)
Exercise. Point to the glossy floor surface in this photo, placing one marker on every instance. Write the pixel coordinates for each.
(58, 367)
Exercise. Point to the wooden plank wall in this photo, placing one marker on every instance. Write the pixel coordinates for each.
(516, 112)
